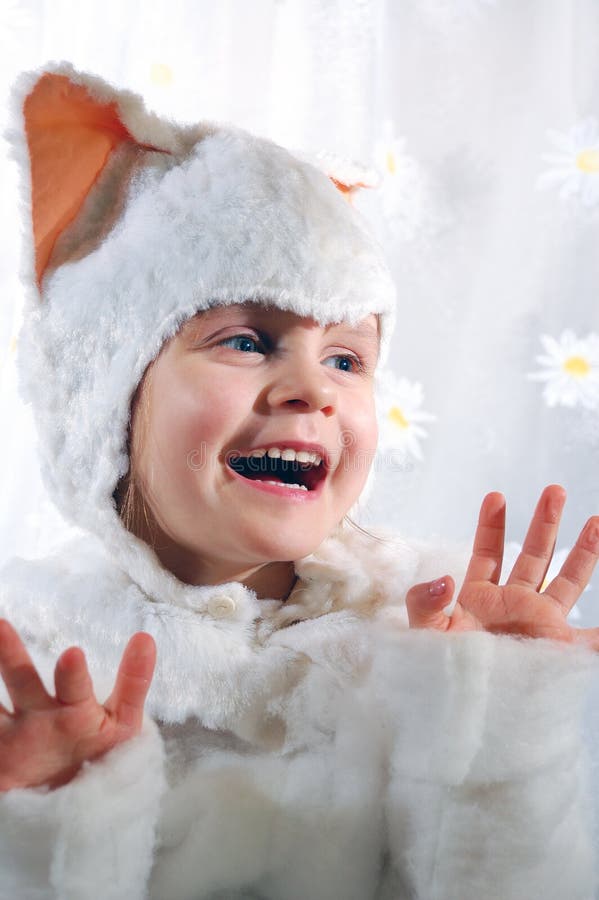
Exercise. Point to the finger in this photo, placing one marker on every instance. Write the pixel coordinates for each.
(589, 637)
(533, 562)
(487, 552)
(577, 569)
(72, 679)
(133, 681)
(24, 686)
(425, 604)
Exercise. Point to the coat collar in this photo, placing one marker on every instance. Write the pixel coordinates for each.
(351, 569)
(218, 645)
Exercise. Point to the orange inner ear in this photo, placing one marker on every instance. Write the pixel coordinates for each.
(70, 138)
(347, 189)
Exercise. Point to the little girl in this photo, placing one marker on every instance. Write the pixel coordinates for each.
(292, 710)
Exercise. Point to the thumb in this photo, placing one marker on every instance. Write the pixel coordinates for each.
(425, 603)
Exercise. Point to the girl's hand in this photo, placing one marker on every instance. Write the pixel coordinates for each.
(47, 739)
(517, 607)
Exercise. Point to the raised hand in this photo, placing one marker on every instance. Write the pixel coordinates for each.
(46, 739)
(519, 606)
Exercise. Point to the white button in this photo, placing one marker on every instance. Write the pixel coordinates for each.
(221, 605)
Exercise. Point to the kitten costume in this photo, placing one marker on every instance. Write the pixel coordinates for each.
(308, 748)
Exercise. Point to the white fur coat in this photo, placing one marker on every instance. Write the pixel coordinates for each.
(316, 749)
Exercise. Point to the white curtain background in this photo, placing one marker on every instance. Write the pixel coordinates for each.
(480, 119)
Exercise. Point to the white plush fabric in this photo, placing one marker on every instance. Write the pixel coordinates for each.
(316, 748)
(92, 838)
(340, 756)
(214, 216)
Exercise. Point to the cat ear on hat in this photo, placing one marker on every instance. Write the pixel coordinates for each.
(69, 126)
(70, 136)
(347, 175)
(78, 140)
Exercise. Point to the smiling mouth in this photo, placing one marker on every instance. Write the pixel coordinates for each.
(280, 471)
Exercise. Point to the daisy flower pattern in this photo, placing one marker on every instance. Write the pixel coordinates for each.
(570, 370)
(511, 553)
(575, 163)
(407, 202)
(400, 416)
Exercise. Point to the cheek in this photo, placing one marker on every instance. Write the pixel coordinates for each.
(358, 441)
(364, 424)
(198, 415)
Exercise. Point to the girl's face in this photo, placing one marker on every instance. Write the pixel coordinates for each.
(234, 381)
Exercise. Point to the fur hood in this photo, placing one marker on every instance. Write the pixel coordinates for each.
(133, 224)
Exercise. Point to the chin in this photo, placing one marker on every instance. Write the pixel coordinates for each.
(288, 545)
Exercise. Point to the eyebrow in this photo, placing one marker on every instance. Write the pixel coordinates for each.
(227, 312)
(364, 330)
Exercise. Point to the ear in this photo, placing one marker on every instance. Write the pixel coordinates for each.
(346, 175)
(348, 189)
(70, 136)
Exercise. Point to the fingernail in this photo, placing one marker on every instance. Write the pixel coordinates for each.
(592, 535)
(437, 587)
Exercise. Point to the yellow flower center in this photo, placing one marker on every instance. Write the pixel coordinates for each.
(391, 164)
(577, 366)
(588, 160)
(398, 418)
(161, 74)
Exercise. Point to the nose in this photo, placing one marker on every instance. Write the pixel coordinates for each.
(306, 387)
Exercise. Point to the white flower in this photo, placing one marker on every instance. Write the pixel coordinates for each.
(511, 553)
(400, 415)
(570, 370)
(408, 202)
(575, 165)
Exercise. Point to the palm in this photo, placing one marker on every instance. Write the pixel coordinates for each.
(46, 738)
(520, 606)
(508, 609)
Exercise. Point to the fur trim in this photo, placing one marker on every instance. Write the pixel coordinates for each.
(351, 570)
(459, 756)
(489, 794)
(211, 640)
(77, 842)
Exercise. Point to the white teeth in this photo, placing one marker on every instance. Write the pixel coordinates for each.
(302, 487)
(289, 455)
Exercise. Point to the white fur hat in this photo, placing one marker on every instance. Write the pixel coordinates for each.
(138, 223)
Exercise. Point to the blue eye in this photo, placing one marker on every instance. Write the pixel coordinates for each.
(356, 365)
(247, 343)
